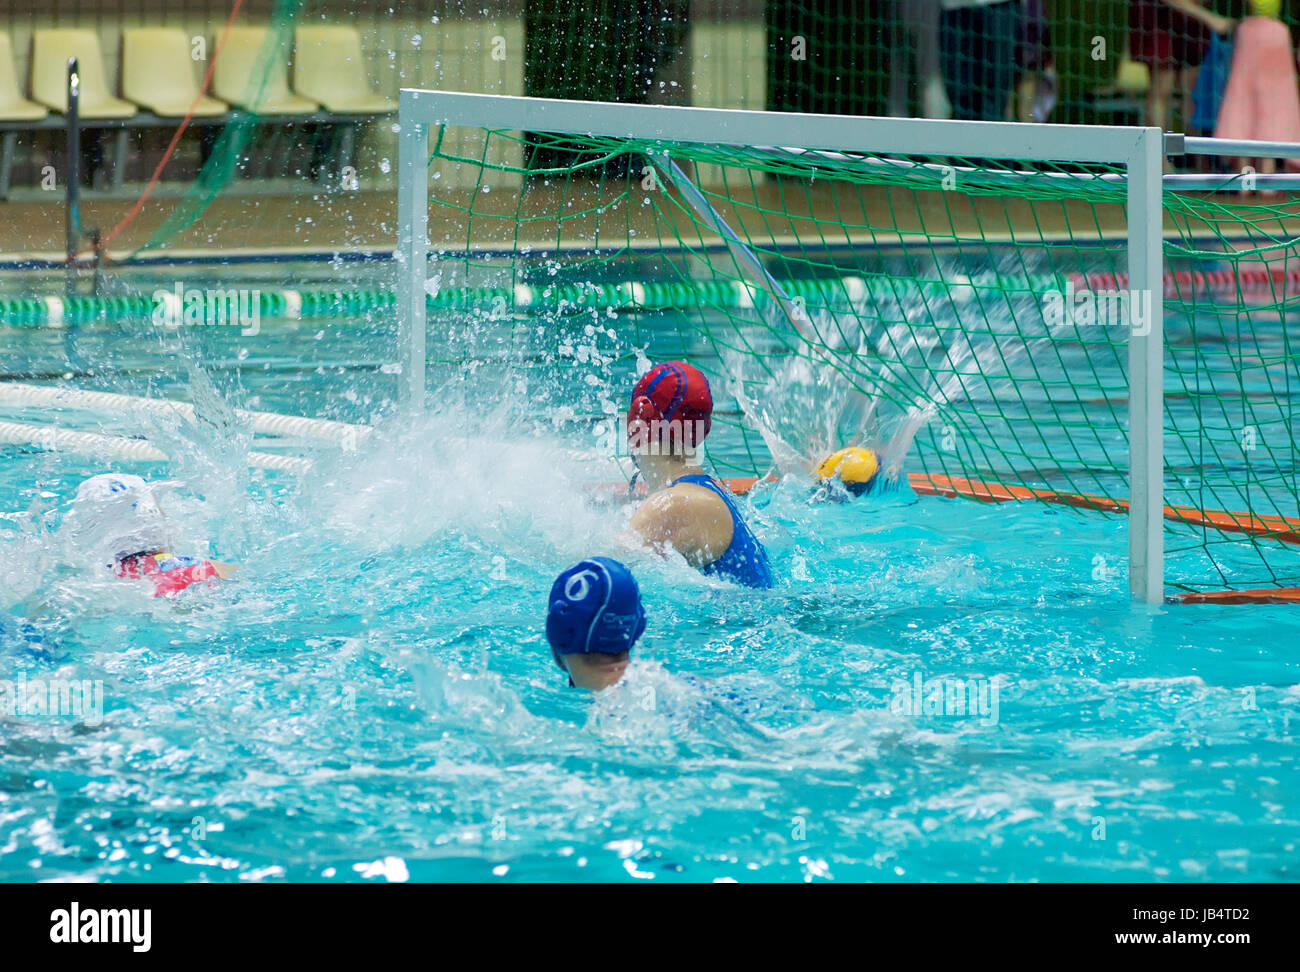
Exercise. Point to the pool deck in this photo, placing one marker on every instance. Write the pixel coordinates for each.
(329, 222)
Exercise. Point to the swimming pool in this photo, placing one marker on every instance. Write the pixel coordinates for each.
(374, 700)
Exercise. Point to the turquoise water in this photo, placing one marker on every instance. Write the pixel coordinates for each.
(374, 699)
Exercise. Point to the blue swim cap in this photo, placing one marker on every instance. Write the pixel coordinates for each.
(595, 607)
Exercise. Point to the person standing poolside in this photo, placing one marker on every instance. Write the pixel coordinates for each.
(977, 43)
(688, 510)
(593, 619)
(1260, 100)
(1170, 37)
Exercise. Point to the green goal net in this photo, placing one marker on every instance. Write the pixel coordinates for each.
(966, 318)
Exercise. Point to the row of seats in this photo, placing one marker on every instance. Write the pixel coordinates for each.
(158, 74)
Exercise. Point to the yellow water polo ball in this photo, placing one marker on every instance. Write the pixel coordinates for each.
(1266, 8)
(855, 467)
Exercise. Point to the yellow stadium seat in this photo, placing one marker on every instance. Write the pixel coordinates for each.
(329, 67)
(233, 78)
(158, 73)
(50, 52)
(1133, 77)
(13, 106)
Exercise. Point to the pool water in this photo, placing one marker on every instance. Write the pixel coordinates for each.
(373, 698)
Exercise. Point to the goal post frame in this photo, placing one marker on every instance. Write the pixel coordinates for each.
(412, 256)
(1140, 151)
(1146, 369)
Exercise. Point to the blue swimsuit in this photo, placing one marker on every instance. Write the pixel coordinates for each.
(745, 561)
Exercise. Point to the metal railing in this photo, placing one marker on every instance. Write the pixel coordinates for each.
(75, 231)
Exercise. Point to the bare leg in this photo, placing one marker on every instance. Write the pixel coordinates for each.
(914, 35)
(1025, 91)
(929, 70)
(905, 55)
(1189, 76)
(1158, 98)
(916, 45)
(1158, 95)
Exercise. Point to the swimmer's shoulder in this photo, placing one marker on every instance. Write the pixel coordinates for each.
(691, 501)
(692, 518)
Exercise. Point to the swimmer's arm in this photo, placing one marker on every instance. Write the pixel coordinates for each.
(1193, 9)
(223, 569)
(682, 520)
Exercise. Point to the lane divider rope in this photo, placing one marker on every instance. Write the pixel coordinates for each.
(648, 295)
(344, 434)
(55, 439)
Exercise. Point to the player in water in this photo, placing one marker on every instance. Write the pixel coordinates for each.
(593, 619)
(687, 509)
(116, 518)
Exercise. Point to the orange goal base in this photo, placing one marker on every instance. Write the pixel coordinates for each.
(1275, 527)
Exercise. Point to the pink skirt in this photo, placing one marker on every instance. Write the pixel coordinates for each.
(1261, 100)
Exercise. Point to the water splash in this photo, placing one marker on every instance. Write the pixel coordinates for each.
(886, 364)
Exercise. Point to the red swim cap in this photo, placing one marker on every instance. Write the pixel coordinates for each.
(675, 395)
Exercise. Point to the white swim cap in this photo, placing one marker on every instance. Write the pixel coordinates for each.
(115, 515)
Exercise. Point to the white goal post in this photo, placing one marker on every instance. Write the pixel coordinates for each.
(1140, 151)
